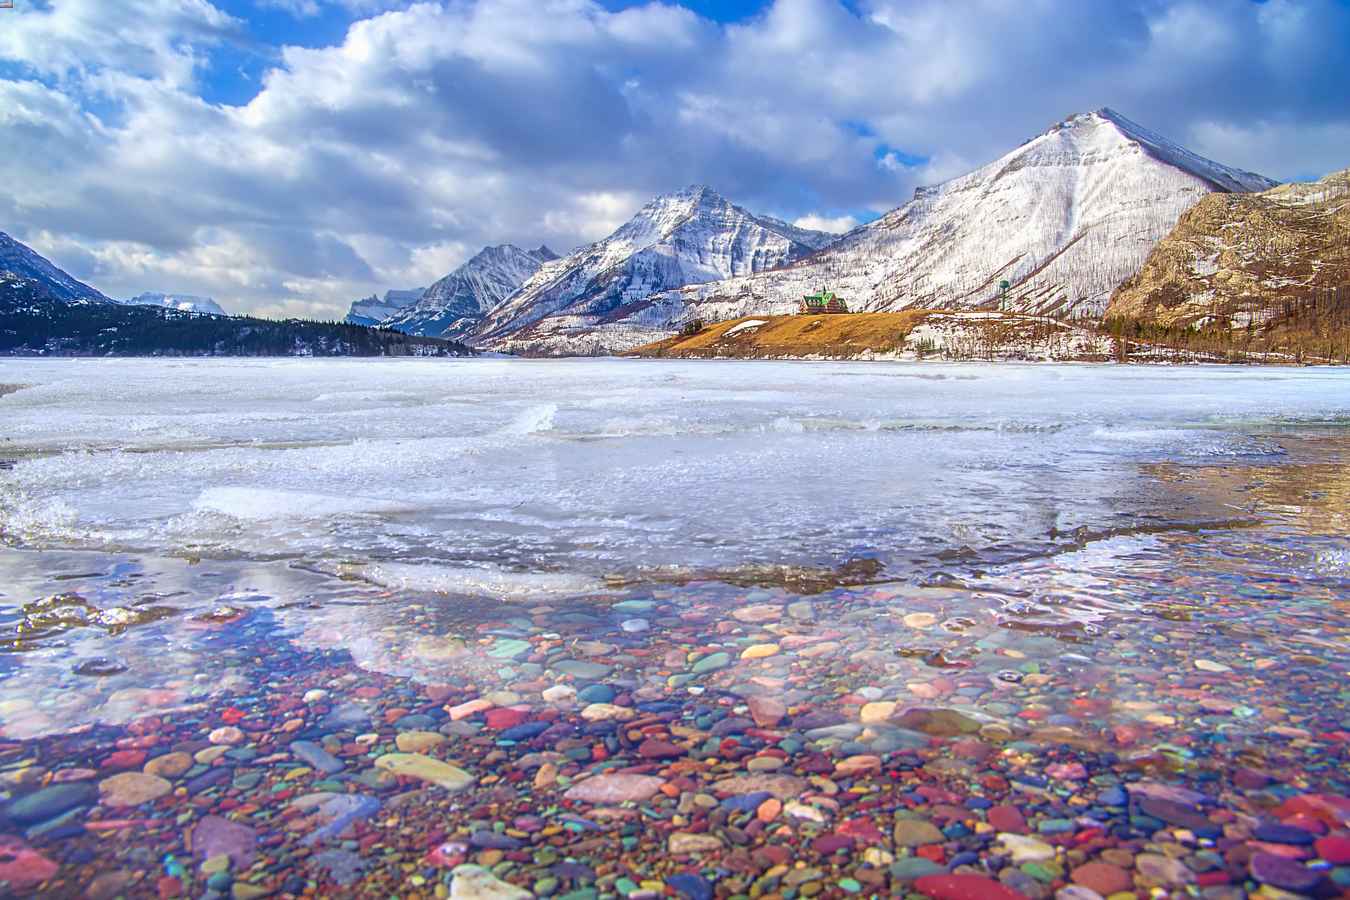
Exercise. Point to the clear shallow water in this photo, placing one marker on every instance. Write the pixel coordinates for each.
(336, 500)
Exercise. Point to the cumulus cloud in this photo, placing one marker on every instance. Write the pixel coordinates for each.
(432, 128)
(834, 225)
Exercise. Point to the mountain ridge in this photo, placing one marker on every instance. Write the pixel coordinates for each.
(25, 262)
(687, 236)
(456, 304)
(1064, 218)
(181, 302)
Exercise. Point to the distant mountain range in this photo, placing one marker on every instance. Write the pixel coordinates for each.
(1055, 227)
(456, 305)
(181, 302)
(374, 309)
(688, 237)
(46, 312)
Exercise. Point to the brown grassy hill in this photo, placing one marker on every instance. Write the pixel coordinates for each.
(1268, 270)
(911, 334)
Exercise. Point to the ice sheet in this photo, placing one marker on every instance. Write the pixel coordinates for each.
(586, 468)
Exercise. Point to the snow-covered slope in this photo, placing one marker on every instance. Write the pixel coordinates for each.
(374, 309)
(683, 238)
(454, 306)
(1063, 219)
(24, 263)
(182, 302)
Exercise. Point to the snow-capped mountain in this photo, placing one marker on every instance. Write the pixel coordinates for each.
(678, 239)
(374, 309)
(454, 306)
(1063, 220)
(182, 302)
(23, 263)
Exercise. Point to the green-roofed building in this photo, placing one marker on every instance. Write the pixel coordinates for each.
(822, 302)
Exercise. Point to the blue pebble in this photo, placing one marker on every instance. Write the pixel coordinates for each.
(1279, 833)
(746, 802)
(969, 858)
(1113, 797)
(596, 693)
(693, 887)
(524, 731)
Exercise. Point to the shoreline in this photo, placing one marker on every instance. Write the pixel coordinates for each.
(931, 335)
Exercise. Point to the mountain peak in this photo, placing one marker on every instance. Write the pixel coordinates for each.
(181, 302)
(1100, 129)
(454, 305)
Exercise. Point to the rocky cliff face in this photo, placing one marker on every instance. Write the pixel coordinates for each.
(1240, 258)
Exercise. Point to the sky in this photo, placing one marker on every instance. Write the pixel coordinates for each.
(289, 156)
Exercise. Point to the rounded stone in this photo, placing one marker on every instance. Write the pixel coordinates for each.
(132, 789)
(170, 765)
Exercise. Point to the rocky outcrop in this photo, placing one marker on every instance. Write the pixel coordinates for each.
(1240, 259)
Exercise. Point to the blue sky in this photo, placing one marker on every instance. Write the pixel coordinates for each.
(288, 156)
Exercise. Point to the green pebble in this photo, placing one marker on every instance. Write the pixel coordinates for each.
(850, 885)
(1043, 871)
(711, 663)
(545, 887)
(626, 886)
(509, 648)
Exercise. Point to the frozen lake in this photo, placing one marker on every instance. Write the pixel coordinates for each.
(368, 620)
(504, 477)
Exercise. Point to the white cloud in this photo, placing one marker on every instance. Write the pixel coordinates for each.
(835, 225)
(434, 128)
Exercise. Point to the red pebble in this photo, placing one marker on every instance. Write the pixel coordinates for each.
(504, 717)
(932, 852)
(125, 759)
(1007, 818)
(1335, 849)
(1211, 879)
(965, 887)
(863, 830)
(232, 716)
(168, 887)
